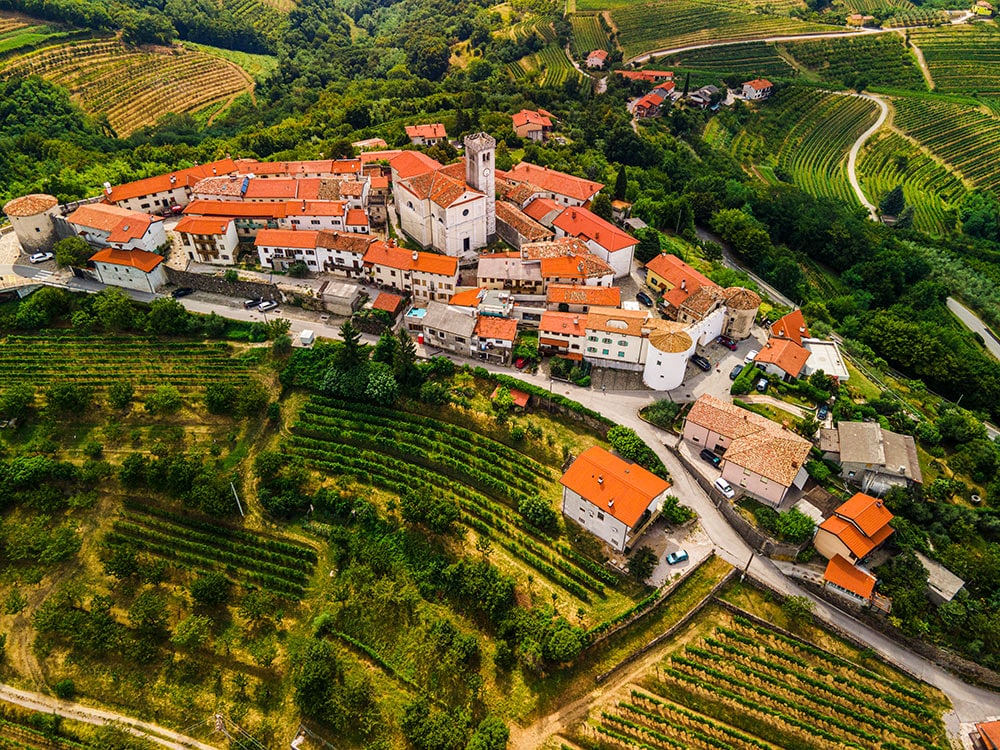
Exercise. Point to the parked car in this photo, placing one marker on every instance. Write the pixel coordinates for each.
(709, 456)
(41, 257)
(762, 385)
(725, 488)
(520, 363)
(823, 412)
(736, 372)
(751, 355)
(701, 362)
(644, 299)
(677, 557)
(268, 305)
(727, 342)
(249, 303)
(184, 291)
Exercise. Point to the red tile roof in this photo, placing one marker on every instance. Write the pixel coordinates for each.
(520, 397)
(30, 205)
(553, 181)
(490, 327)
(645, 75)
(409, 164)
(791, 326)
(101, 216)
(467, 297)
(840, 572)
(439, 187)
(785, 355)
(203, 225)
(989, 731)
(859, 544)
(868, 513)
(677, 273)
(575, 294)
(161, 183)
(624, 490)
(356, 217)
(393, 256)
(539, 208)
(369, 157)
(531, 117)
(759, 84)
(579, 222)
(521, 223)
(346, 241)
(370, 143)
(379, 182)
(562, 324)
(140, 259)
(284, 188)
(234, 209)
(346, 166)
(289, 168)
(600, 54)
(302, 239)
(434, 130)
(310, 208)
(581, 267)
(388, 302)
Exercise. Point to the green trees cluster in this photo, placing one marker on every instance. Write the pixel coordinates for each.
(629, 445)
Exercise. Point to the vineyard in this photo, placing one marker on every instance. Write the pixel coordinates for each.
(550, 65)
(588, 35)
(265, 16)
(748, 686)
(877, 6)
(962, 58)
(753, 59)
(248, 559)
(861, 62)
(962, 135)
(915, 17)
(890, 160)
(396, 450)
(134, 88)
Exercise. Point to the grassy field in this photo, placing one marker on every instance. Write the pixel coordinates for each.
(133, 88)
(962, 59)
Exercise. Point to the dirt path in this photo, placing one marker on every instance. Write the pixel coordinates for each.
(919, 54)
(852, 157)
(44, 704)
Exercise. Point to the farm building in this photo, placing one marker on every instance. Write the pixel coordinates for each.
(209, 240)
(31, 218)
(426, 135)
(855, 530)
(130, 269)
(942, 584)
(613, 499)
(872, 457)
(597, 58)
(758, 88)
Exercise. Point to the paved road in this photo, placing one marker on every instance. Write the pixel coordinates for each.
(852, 157)
(152, 732)
(971, 321)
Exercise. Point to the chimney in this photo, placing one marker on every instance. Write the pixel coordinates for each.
(572, 214)
(684, 283)
(600, 479)
(173, 180)
(214, 171)
(303, 204)
(576, 321)
(416, 255)
(611, 503)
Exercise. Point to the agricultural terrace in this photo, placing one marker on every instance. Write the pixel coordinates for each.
(588, 34)
(731, 681)
(753, 59)
(265, 16)
(888, 160)
(962, 135)
(871, 7)
(133, 87)
(962, 58)
(17, 33)
(915, 17)
(867, 61)
(648, 27)
(550, 65)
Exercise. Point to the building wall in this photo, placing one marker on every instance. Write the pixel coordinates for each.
(431, 286)
(130, 278)
(36, 233)
(155, 237)
(598, 521)
(829, 545)
(615, 346)
(456, 224)
(313, 222)
(739, 323)
(664, 371)
(621, 260)
(391, 277)
(157, 202)
(224, 246)
(766, 490)
(446, 340)
(415, 218)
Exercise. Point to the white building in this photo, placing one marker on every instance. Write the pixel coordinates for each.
(208, 240)
(758, 88)
(669, 349)
(101, 225)
(314, 215)
(323, 250)
(565, 189)
(425, 276)
(131, 269)
(162, 192)
(426, 135)
(605, 240)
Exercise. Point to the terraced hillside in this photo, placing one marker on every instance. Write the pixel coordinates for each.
(133, 87)
(588, 34)
(962, 58)
(860, 62)
(753, 59)
(18, 33)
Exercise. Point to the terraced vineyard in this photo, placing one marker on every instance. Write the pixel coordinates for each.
(876, 6)
(17, 33)
(915, 17)
(550, 64)
(869, 60)
(396, 450)
(746, 686)
(753, 59)
(134, 88)
(962, 58)
(42, 359)
(890, 160)
(962, 135)
(265, 16)
(588, 34)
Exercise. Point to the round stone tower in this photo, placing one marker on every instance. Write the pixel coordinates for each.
(741, 310)
(31, 217)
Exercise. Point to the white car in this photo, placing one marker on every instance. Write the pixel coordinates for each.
(268, 305)
(751, 355)
(41, 257)
(725, 488)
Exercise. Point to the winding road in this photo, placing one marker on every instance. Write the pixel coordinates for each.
(852, 156)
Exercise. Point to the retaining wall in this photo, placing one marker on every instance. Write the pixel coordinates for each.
(217, 285)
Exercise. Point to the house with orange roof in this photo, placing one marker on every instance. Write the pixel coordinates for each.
(425, 276)
(763, 458)
(314, 215)
(515, 227)
(849, 581)
(370, 144)
(390, 303)
(791, 326)
(321, 250)
(467, 297)
(209, 240)
(533, 125)
(426, 135)
(585, 268)
(102, 224)
(356, 221)
(855, 530)
(130, 269)
(782, 358)
(495, 337)
(161, 193)
(574, 298)
(614, 499)
(758, 88)
(651, 76)
(597, 58)
(562, 333)
(989, 734)
(565, 189)
(651, 104)
(675, 280)
(609, 243)
(249, 218)
(543, 210)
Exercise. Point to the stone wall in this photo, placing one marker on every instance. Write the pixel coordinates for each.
(241, 289)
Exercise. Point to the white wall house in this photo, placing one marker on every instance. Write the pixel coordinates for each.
(130, 269)
(104, 225)
(425, 276)
(208, 240)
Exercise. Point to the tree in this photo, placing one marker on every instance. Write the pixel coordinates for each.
(351, 352)
(72, 251)
(123, 562)
(382, 388)
(68, 398)
(192, 632)
(231, 276)
(120, 394)
(539, 514)
(621, 183)
(16, 401)
(687, 83)
(649, 246)
(315, 674)
(491, 734)
(220, 397)
(642, 564)
(165, 399)
(210, 589)
(404, 362)
(437, 512)
(385, 348)
(797, 609)
(893, 202)
(148, 615)
(168, 317)
(298, 270)
(601, 206)
(795, 526)
(113, 310)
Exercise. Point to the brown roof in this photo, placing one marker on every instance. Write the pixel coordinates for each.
(613, 320)
(29, 205)
(490, 327)
(520, 222)
(645, 75)
(346, 241)
(574, 294)
(140, 259)
(702, 300)
(388, 302)
(220, 186)
(622, 489)
(739, 298)
(784, 354)
(554, 181)
(555, 248)
(670, 340)
(438, 186)
(840, 572)
(520, 193)
(101, 216)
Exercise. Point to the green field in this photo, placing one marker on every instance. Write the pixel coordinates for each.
(962, 59)
(752, 59)
(862, 62)
(550, 66)
(588, 35)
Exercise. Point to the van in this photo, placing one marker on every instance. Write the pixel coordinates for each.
(725, 488)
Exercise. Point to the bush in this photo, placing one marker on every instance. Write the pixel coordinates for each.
(662, 413)
(539, 514)
(629, 445)
(64, 689)
(642, 564)
(165, 399)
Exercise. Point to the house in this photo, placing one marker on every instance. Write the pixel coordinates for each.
(495, 337)
(702, 98)
(509, 271)
(425, 276)
(357, 221)
(942, 584)
(857, 20)
(616, 338)
(326, 214)
(320, 250)
(162, 192)
(762, 457)
(369, 144)
(392, 304)
(543, 210)
(675, 280)
(856, 529)
(520, 398)
(650, 105)
(209, 240)
(825, 356)
(104, 225)
(249, 218)
(782, 358)
(563, 188)
(426, 135)
(597, 58)
(443, 328)
(613, 499)
(650, 76)
(791, 326)
(989, 734)
(562, 333)
(130, 269)
(872, 457)
(609, 243)
(758, 88)
(567, 260)
(574, 298)
(849, 581)
(515, 227)
(533, 125)
(316, 168)
(982, 8)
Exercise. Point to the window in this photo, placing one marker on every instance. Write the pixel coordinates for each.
(658, 363)
(459, 340)
(622, 343)
(314, 221)
(591, 338)
(295, 221)
(465, 212)
(144, 205)
(574, 346)
(486, 156)
(621, 354)
(440, 334)
(850, 474)
(604, 352)
(605, 341)
(591, 349)
(600, 516)
(409, 204)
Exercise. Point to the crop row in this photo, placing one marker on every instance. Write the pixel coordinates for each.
(588, 34)
(915, 17)
(881, 59)
(962, 58)
(750, 59)
(688, 718)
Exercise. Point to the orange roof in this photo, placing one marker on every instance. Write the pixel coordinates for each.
(393, 256)
(579, 222)
(574, 294)
(161, 183)
(587, 266)
(539, 208)
(369, 157)
(490, 327)
(600, 54)
(140, 259)
(203, 225)
(531, 117)
(388, 302)
(346, 241)
(791, 326)
(553, 181)
(759, 84)
(868, 513)
(840, 572)
(290, 168)
(234, 209)
(441, 265)
(30, 205)
(379, 182)
(989, 733)
(650, 100)
(846, 532)
(645, 75)
(356, 217)
(346, 166)
(303, 239)
(562, 324)
(520, 222)
(133, 227)
(520, 397)
(310, 208)
(784, 354)
(434, 130)
(623, 489)
(101, 216)
(438, 186)
(677, 273)
(466, 298)
(409, 164)
(284, 188)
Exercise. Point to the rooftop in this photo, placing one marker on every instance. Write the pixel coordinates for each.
(627, 322)
(170, 180)
(563, 324)
(941, 580)
(302, 239)
(503, 266)
(784, 354)
(434, 130)
(791, 327)
(29, 205)
(440, 318)
(759, 84)
(520, 397)
(388, 302)
(620, 488)
(575, 294)
(739, 298)
(388, 254)
(579, 222)
(670, 339)
(490, 327)
(520, 222)
(841, 573)
(554, 181)
(139, 259)
(407, 164)
(825, 356)
(203, 225)
(531, 117)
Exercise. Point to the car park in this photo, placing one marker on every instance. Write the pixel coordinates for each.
(700, 362)
(644, 299)
(268, 305)
(677, 557)
(751, 355)
(762, 385)
(184, 291)
(823, 412)
(727, 342)
(725, 488)
(736, 372)
(41, 257)
(709, 456)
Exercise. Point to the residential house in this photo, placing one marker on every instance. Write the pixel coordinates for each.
(443, 328)
(942, 584)
(320, 250)
(613, 499)
(568, 260)
(162, 192)
(620, 210)
(758, 88)
(982, 8)
(515, 227)
(130, 269)
(609, 243)
(426, 135)
(650, 76)
(563, 188)
(495, 337)
(249, 218)
(574, 298)
(703, 97)
(342, 253)
(425, 276)
(989, 734)
(762, 457)
(533, 125)
(316, 168)
(855, 530)
(782, 358)
(281, 189)
(791, 326)
(357, 221)
(314, 215)
(543, 210)
(392, 304)
(617, 338)
(104, 225)
(825, 356)
(872, 457)
(509, 271)
(675, 280)
(209, 240)
(369, 144)
(562, 333)
(846, 580)
(597, 58)
(651, 104)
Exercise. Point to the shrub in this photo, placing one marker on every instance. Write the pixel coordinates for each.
(629, 445)
(64, 689)
(165, 399)
(539, 514)
(662, 413)
(642, 564)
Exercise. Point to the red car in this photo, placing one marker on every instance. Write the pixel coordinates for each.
(727, 342)
(520, 363)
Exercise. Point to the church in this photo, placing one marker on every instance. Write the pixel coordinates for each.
(450, 209)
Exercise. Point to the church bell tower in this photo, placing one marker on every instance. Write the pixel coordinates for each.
(480, 166)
